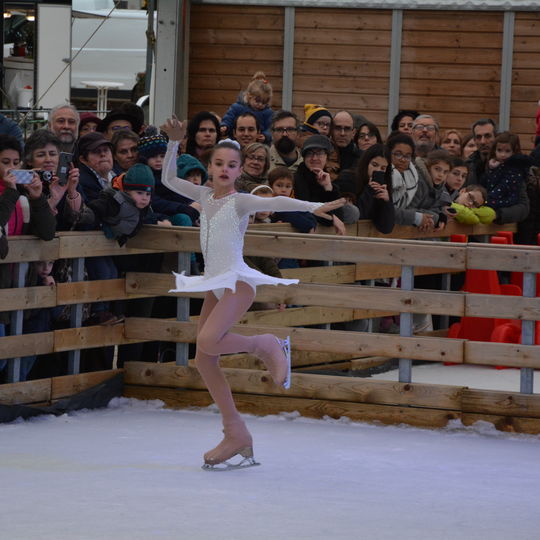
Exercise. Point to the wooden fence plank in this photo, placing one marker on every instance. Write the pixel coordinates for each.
(264, 405)
(502, 307)
(90, 337)
(25, 392)
(26, 345)
(30, 248)
(69, 385)
(27, 298)
(501, 403)
(501, 354)
(307, 339)
(304, 385)
(94, 291)
(512, 258)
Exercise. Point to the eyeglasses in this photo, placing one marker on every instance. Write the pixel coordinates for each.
(473, 201)
(285, 130)
(119, 128)
(258, 159)
(421, 127)
(364, 136)
(346, 129)
(314, 153)
(400, 156)
(321, 124)
(260, 101)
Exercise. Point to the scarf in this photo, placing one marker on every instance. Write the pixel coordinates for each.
(404, 186)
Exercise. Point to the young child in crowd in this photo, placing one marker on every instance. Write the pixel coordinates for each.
(123, 210)
(469, 206)
(456, 177)
(229, 284)
(191, 169)
(180, 210)
(507, 171)
(255, 99)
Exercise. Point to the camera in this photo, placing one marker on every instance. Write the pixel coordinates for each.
(45, 176)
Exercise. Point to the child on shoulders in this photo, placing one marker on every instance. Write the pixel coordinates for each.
(256, 99)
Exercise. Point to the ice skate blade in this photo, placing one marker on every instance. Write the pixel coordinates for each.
(244, 463)
(286, 348)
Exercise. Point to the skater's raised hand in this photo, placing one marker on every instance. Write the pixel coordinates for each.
(323, 210)
(175, 129)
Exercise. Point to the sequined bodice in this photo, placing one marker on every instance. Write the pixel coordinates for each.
(222, 234)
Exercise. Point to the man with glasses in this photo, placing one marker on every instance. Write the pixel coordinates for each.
(117, 121)
(343, 132)
(283, 152)
(425, 133)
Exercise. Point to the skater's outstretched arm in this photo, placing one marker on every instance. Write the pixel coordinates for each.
(176, 130)
(248, 204)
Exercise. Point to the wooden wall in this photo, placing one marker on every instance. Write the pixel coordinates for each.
(450, 65)
(342, 61)
(526, 76)
(228, 44)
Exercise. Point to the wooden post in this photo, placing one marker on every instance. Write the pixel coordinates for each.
(17, 319)
(406, 323)
(182, 309)
(527, 333)
(75, 318)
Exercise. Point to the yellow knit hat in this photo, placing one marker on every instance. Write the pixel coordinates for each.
(313, 112)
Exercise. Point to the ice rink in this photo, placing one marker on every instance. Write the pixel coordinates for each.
(133, 471)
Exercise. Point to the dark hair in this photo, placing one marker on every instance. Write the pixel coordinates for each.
(193, 128)
(509, 138)
(279, 172)
(281, 115)
(245, 115)
(39, 139)
(437, 156)
(484, 122)
(123, 135)
(400, 138)
(457, 162)
(400, 115)
(361, 172)
(7, 142)
(373, 130)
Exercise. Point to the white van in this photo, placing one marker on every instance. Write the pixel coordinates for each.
(116, 53)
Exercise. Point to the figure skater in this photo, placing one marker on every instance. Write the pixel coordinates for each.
(229, 284)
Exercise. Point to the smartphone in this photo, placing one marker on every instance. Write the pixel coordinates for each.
(379, 177)
(22, 176)
(64, 161)
(451, 210)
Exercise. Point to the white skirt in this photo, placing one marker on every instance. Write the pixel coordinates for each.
(218, 283)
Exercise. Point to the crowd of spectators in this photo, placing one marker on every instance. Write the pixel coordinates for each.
(415, 176)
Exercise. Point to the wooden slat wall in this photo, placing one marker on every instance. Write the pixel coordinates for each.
(451, 65)
(342, 61)
(228, 44)
(525, 77)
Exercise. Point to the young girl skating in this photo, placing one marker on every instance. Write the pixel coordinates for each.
(230, 283)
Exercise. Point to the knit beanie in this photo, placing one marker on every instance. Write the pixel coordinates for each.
(308, 128)
(314, 112)
(186, 163)
(151, 146)
(139, 178)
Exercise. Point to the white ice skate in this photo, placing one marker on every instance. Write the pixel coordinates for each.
(247, 460)
(286, 348)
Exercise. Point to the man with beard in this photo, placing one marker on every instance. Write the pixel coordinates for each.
(64, 123)
(283, 152)
(484, 132)
(425, 133)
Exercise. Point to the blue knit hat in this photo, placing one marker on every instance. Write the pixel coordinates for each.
(139, 178)
(186, 163)
(151, 146)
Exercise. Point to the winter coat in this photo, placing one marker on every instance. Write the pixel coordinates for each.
(503, 182)
(529, 228)
(264, 117)
(380, 212)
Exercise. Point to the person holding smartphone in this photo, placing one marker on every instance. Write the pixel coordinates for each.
(19, 214)
(42, 152)
(369, 185)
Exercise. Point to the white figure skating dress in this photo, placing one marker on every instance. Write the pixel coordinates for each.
(223, 224)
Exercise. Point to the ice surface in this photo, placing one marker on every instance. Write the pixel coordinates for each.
(133, 471)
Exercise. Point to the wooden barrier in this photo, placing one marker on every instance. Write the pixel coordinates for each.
(327, 294)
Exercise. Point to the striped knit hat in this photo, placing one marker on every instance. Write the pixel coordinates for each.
(151, 146)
